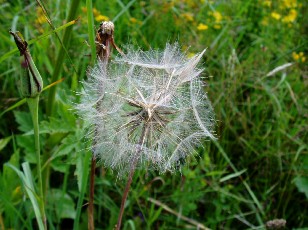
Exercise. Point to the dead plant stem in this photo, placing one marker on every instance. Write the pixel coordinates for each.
(131, 174)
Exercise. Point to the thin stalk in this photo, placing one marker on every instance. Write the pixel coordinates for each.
(100, 48)
(91, 30)
(130, 177)
(33, 107)
(91, 225)
(91, 195)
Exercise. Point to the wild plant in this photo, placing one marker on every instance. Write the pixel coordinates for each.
(146, 109)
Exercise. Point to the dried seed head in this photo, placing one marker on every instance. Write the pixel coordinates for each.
(157, 95)
(107, 27)
(31, 83)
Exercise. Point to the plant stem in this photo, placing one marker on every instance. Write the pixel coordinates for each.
(33, 107)
(91, 195)
(91, 225)
(91, 30)
(130, 177)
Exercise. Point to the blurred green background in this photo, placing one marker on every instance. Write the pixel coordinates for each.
(257, 170)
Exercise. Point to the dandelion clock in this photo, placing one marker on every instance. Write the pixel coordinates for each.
(146, 109)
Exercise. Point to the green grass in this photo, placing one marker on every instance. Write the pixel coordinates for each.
(256, 171)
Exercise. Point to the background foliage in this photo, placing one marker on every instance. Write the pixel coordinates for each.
(256, 171)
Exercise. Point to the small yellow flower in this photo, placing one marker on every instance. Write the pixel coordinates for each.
(275, 15)
(267, 3)
(299, 57)
(295, 56)
(217, 16)
(40, 16)
(289, 3)
(135, 21)
(100, 18)
(188, 16)
(202, 26)
(217, 26)
(95, 12)
(291, 16)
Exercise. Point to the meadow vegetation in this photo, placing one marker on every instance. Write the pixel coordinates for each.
(256, 77)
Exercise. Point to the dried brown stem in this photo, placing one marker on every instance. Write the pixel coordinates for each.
(178, 215)
(104, 39)
(91, 196)
(130, 177)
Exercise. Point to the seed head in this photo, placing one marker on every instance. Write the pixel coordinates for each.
(148, 107)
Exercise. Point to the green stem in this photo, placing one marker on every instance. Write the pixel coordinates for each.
(91, 30)
(33, 107)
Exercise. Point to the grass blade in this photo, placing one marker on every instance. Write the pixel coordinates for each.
(27, 181)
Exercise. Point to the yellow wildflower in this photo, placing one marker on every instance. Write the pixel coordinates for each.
(267, 3)
(217, 16)
(167, 6)
(217, 26)
(95, 12)
(275, 15)
(202, 26)
(295, 56)
(135, 21)
(302, 56)
(299, 57)
(40, 16)
(289, 3)
(100, 18)
(291, 16)
(188, 16)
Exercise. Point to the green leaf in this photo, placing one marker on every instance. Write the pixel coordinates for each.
(9, 175)
(27, 143)
(302, 184)
(67, 150)
(4, 142)
(82, 171)
(24, 121)
(55, 125)
(63, 204)
(27, 181)
(232, 175)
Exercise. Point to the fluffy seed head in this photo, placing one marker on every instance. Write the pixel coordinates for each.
(148, 107)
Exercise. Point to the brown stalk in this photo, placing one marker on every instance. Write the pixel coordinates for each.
(104, 41)
(130, 177)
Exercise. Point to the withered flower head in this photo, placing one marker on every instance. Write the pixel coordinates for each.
(31, 83)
